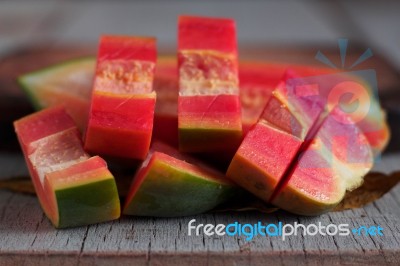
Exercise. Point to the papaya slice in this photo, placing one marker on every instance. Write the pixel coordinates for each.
(73, 189)
(264, 156)
(121, 114)
(335, 160)
(209, 117)
(52, 86)
(68, 83)
(170, 184)
(303, 154)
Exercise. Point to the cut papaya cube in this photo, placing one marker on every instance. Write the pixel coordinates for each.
(331, 156)
(86, 191)
(122, 106)
(170, 184)
(208, 102)
(67, 181)
(125, 132)
(265, 155)
(336, 160)
(262, 159)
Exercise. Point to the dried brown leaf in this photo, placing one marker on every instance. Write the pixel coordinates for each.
(246, 202)
(18, 184)
(374, 187)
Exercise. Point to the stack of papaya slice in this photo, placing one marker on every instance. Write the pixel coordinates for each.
(294, 145)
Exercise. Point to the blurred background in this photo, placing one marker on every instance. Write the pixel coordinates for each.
(36, 33)
(303, 23)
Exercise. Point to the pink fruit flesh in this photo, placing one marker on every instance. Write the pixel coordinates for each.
(262, 159)
(336, 160)
(208, 102)
(59, 166)
(122, 106)
(50, 141)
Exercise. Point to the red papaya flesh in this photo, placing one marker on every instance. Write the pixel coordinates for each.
(264, 156)
(73, 189)
(262, 159)
(335, 161)
(122, 106)
(70, 84)
(209, 117)
(259, 79)
(329, 153)
(52, 86)
(170, 184)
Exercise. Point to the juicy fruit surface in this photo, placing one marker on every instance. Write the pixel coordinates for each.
(56, 152)
(45, 123)
(124, 77)
(220, 111)
(328, 190)
(94, 168)
(124, 132)
(58, 166)
(50, 141)
(331, 154)
(168, 186)
(201, 33)
(33, 128)
(265, 154)
(122, 106)
(262, 159)
(336, 161)
(208, 83)
(52, 86)
(207, 73)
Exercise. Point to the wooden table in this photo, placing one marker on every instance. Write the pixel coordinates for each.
(28, 238)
